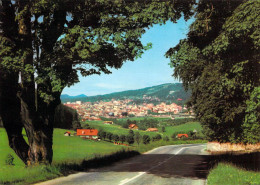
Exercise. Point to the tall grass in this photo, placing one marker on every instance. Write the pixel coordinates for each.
(228, 174)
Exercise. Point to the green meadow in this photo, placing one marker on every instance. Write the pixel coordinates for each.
(66, 150)
(169, 130)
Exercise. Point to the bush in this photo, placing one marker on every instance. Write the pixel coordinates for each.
(109, 136)
(157, 137)
(9, 160)
(146, 139)
(138, 137)
(115, 137)
(122, 138)
(166, 138)
(130, 139)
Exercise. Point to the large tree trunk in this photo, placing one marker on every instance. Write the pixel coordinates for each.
(10, 113)
(9, 103)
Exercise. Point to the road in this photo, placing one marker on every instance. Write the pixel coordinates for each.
(174, 164)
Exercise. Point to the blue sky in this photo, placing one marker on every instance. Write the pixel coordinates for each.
(152, 69)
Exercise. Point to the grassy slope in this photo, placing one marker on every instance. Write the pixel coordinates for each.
(185, 128)
(116, 129)
(66, 149)
(229, 175)
(169, 130)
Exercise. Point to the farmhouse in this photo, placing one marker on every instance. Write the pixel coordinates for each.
(67, 133)
(108, 122)
(88, 133)
(152, 130)
(179, 136)
(133, 127)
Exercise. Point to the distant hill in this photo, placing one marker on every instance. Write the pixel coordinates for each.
(168, 93)
(66, 97)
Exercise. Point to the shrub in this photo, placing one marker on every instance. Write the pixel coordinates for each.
(122, 138)
(146, 139)
(109, 136)
(115, 137)
(9, 160)
(130, 139)
(166, 138)
(138, 137)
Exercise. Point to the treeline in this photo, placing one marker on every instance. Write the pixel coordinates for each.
(131, 138)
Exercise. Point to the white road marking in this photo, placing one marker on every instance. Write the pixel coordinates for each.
(129, 180)
(125, 181)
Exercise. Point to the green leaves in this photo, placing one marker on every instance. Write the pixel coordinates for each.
(219, 62)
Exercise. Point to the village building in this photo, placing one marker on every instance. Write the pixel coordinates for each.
(133, 127)
(108, 122)
(179, 136)
(88, 133)
(152, 130)
(67, 133)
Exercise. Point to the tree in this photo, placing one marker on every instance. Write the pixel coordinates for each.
(219, 62)
(130, 139)
(109, 136)
(163, 129)
(131, 132)
(166, 138)
(146, 139)
(103, 135)
(137, 137)
(43, 46)
(122, 138)
(115, 137)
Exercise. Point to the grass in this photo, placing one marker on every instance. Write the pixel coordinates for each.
(169, 130)
(185, 128)
(115, 129)
(66, 150)
(228, 174)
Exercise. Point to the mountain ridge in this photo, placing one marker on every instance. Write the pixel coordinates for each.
(168, 93)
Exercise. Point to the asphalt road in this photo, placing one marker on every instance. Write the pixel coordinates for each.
(174, 164)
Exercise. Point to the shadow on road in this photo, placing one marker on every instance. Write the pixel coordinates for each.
(167, 165)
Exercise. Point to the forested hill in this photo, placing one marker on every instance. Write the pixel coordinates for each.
(168, 93)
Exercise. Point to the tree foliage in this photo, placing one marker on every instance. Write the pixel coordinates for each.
(219, 62)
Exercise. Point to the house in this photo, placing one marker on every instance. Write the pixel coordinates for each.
(152, 130)
(88, 133)
(108, 122)
(179, 136)
(133, 127)
(67, 133)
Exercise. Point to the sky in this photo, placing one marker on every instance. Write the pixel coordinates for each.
(149, 70)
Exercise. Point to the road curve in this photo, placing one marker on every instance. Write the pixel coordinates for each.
(173, 164)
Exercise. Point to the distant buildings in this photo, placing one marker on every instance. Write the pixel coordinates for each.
(120, 109)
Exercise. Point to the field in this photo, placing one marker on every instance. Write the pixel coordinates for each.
(169, 130)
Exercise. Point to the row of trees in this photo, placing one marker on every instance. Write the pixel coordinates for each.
(219, 62)
(130, 138)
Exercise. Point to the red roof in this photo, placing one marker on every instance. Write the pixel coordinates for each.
(182, 135)
(179, 99)
(87, 132)
(132, 126)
